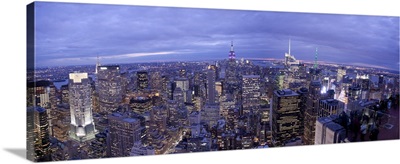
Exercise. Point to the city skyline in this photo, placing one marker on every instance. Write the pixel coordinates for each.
(132, 34)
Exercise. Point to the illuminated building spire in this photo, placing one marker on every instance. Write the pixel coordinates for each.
(97, 63)
(289, 47)
(231, 52)
(316, 58)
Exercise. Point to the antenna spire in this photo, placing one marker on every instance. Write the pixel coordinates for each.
(316, 58)
(289, 46)
(231, 45)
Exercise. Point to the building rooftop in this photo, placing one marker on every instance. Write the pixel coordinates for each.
(130, 120)
(285, 92)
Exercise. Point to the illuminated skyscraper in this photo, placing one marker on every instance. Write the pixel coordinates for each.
(285, 117)
(311, 113)
(142, 80)
(109, 88)
(38, 141)
(340, 73)
(211, 86)
(251, 93)
(82, 126)
(330, 107)
(230, 73)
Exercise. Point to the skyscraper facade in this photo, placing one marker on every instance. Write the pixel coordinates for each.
(124, 132)
(82, 125)
(311, 114)
(330, 107)
(142, 80)
(109, 88)
(285, 117)
(251, 93)
(211, 93)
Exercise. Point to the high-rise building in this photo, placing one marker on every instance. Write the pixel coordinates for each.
(330, 107)
(82, 125)
(183, 84)
(340, 73)
(38, 93)
(210, 114)
(38, 137)
(109, 88)
(311, 114)
(251, 93)
(285, 117)
(61, 119)
(124, 132)
(142, 80)
(211, 86)
(156, 80)
(231, 73)
(303, 92)
(98, 147)
(328, 131)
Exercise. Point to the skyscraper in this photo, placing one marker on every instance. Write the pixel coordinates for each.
(330, 107)
(328, 131)
(340, 73)
(285, 117)
(109, 88)
(124, 132)
(251, 93)
(211, 86)
(38, 141)
(82, 125)
(142, 80)
(311, 114)
(230, 75)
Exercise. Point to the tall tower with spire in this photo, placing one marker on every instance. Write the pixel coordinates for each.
(97, 64)
(316, 58)
(232, 52)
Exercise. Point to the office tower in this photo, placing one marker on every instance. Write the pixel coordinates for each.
(156, 80)
(64, 94)
(159, 118)
(340, 73)
(285, 117)
(182, 73)
(38, 141)
(210, 86)
(124, 132)
(97, 65)
(311, 114)
(109, 88)
(303, 92)
(183, 84)
(210, 114)
(82, 124)
(251, 93)
(328, 131)
(38, 93)
(30, 134)
(61, 118)
(141, 104)
(230, 73)
(142, 80)
(330, 107)
(98, 147)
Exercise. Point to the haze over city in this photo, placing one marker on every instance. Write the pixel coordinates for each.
(75, 34)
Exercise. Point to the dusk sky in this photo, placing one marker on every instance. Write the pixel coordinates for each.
(74, 34)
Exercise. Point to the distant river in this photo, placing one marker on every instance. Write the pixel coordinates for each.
(60, 83)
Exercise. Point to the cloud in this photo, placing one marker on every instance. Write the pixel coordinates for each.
(65, 30)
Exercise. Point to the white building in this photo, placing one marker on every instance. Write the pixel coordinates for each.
(82, 124)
